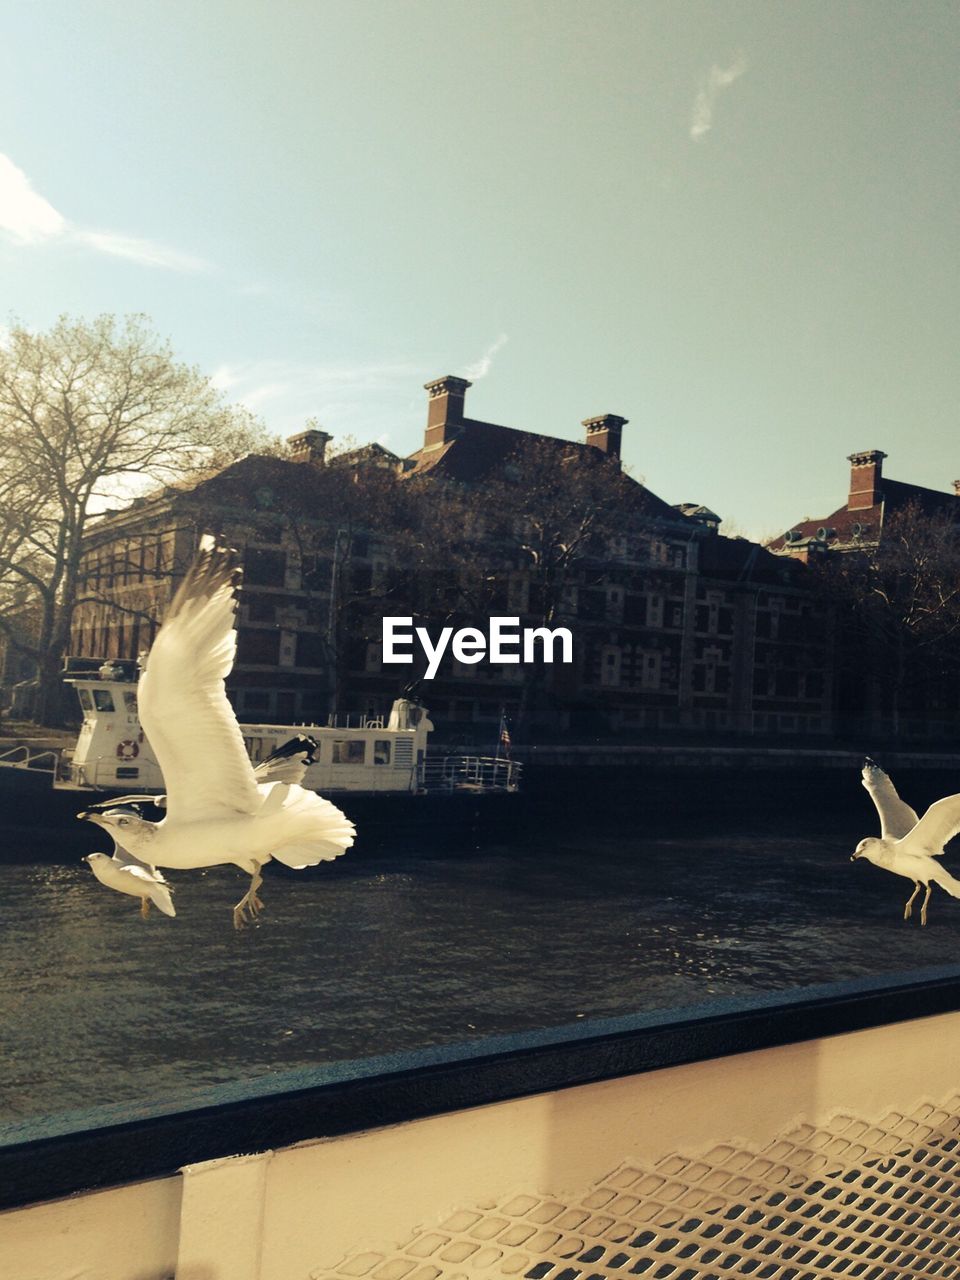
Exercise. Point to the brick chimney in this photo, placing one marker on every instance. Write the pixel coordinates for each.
(309, 446)
(604, 433)
(866, 472)
(444, 409)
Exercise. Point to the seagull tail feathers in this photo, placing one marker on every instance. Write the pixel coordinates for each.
(314, 831)
(162, 900)
(947, 882)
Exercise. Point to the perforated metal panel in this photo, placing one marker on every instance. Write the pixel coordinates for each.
(853, 1198)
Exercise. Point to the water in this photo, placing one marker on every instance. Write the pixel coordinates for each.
(409, 949)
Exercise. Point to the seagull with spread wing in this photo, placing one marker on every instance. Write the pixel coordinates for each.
(217, 810)
(909, 846)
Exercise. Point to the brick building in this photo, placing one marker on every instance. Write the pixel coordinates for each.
(677, 628)
(872, 498)
(889, 559)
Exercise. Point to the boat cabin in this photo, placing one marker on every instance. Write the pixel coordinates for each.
(112, 751)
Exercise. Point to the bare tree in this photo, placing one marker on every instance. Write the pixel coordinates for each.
(547, 514)
(899, 606)
(91, 412)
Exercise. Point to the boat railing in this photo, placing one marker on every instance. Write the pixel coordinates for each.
(102, 772)
(38, 759)
(351, 721)
(806, 1133)
(469, 773)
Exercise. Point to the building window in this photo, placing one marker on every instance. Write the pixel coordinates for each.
(374, 660)
(611, 661)
(260, 648)
(349, 751)
(650, 668)
(311, 649)
(260, 608)
(256, 700)
(381, 751)
(263, 568)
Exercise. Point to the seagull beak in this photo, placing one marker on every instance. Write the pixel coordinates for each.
(87, 816)
(854, 857)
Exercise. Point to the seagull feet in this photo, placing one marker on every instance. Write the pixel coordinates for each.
(246, 910)
(144, 907)
(907, 911)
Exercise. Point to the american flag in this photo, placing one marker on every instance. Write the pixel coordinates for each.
(503, 745)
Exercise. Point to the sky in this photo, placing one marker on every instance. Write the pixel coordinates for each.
(733, 223)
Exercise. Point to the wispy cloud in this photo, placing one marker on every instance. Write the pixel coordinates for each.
(718, 79)
(480, 368)
(146, 252)
(24, 214)
(27, 218)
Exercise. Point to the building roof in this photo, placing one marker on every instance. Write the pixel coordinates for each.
(481, 451)
(740, 560)
(848, 527)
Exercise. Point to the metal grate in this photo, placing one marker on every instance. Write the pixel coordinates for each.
(852, 1198)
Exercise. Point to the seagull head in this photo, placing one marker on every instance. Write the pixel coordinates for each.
(125, 825)
(867, 849)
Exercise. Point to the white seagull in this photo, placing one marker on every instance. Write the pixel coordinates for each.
(128, 874)
(216, 809)
(907, 846)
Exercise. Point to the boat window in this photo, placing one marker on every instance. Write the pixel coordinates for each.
(103, 700)
(349, 751)
(130, 700)
(85, 700)
(381, 751)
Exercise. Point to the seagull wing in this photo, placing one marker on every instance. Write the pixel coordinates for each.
(126, 860)
(938, 825)
(183, 704)
(896, 817)
(154, 885)
(289, 762)
(138, 798)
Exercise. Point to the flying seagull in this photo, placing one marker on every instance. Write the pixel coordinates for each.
(128, 874)
(216, 809)
(908, 846)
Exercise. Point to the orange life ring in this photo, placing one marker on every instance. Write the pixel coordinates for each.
(127, 750)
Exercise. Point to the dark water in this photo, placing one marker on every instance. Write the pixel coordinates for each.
(411, 948)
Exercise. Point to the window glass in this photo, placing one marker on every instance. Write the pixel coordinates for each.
(85, 700)
(349, 751)
(130, 700)
(103, 700)
(264, 568)
(381, 751)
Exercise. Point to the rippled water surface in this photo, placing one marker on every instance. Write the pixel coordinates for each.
(411, 948)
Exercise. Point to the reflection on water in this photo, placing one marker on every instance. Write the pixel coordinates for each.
(399, 952)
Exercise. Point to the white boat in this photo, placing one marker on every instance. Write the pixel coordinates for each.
(368, 756)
